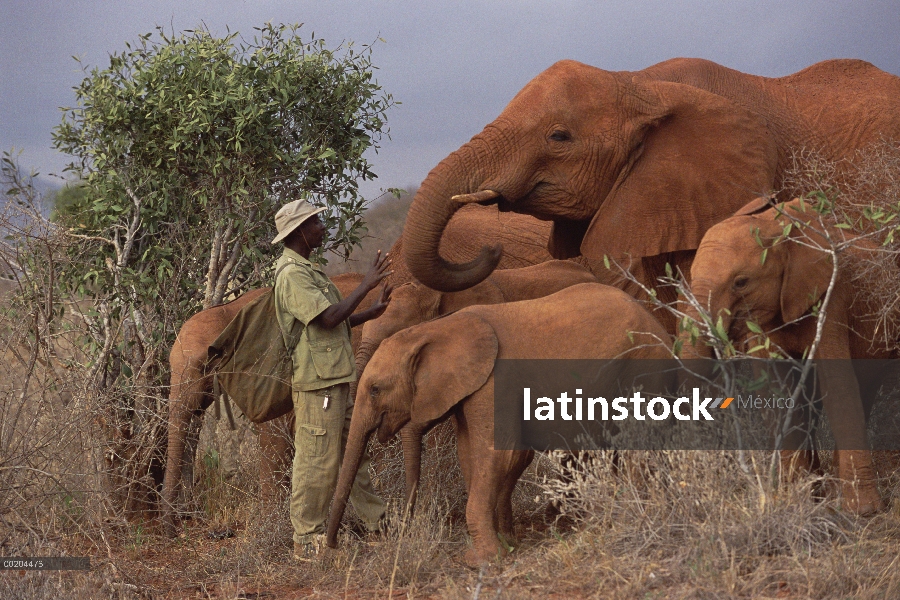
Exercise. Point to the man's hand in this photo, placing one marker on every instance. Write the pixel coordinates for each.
(377, 272)
(376, 309)
(337, 313)
(379, 306)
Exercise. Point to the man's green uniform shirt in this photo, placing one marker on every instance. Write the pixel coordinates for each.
(322, 357)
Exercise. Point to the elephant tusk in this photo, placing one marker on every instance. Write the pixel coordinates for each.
(476, 197)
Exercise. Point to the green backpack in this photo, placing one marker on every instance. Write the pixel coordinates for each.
(251, 363)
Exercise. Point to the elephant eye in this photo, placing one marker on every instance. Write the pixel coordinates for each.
(560, 136)
(741, 282)
(374, 390)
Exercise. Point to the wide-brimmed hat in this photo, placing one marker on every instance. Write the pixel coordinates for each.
(292, 215)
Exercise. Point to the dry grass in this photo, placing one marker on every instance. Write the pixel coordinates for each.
(661, 525)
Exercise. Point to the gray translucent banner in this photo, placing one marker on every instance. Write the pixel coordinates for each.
(696, 405)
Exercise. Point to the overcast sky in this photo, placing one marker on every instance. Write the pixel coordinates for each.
(453, 64)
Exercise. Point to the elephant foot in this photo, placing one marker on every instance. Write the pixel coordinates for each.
(864, 501)
(796, 464)
(476, 557)
(859, 493)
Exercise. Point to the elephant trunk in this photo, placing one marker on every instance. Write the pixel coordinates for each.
(361, 427)
(367, 348)
(457, 176)
(179, 421)
(411, 440)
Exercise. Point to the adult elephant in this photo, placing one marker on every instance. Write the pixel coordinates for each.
(191, 386)
(636, 166)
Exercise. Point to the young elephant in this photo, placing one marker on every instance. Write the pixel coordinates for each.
(191, 394)
(733, 279)
(445, 366)
(414, 303)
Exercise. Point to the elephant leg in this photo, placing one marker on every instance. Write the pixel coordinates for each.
(853, 459)
(462, 449)
(797, 455)
(485, 471)
(504, 515)
(477, 465)
(276, 443)
(481, 510)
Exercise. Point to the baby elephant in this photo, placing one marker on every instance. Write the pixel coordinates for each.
(752, 267)
(445, 366)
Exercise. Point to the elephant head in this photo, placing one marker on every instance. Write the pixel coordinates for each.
(406, 308)
(622, 164)
(414, 379)
(766, 265)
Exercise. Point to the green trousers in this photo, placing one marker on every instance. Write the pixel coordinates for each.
(319, 438)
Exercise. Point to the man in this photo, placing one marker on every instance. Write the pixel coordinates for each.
(310, 311)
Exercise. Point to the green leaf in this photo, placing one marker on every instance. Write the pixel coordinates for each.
(719, 330)
(754, 327)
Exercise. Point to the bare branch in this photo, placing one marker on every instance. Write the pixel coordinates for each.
(131, 233)
(227, 270)
(213, 269)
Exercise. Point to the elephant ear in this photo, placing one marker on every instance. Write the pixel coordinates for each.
(806, 274)
(454, 359)
(697, 157)
(755, 206)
